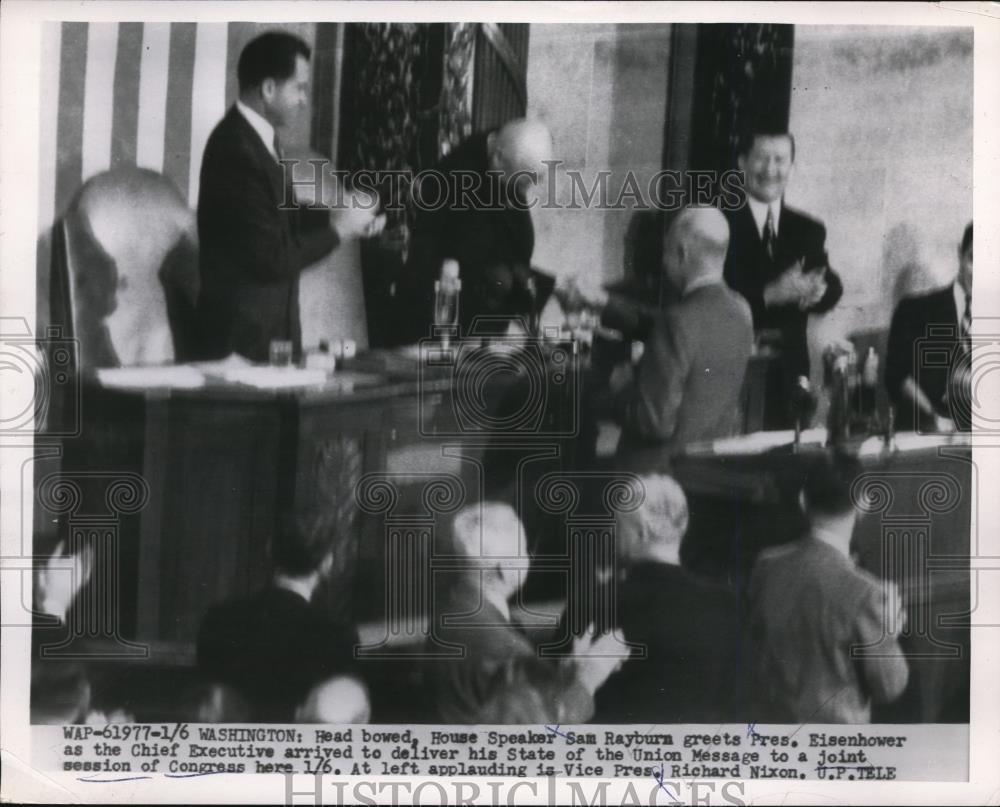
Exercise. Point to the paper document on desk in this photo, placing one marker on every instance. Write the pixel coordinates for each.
(171, 376)
(758, 442)
(274, 377)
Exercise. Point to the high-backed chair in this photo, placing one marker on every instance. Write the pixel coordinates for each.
(125, 271)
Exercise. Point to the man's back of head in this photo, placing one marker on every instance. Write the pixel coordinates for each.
(695, 246)
(653, 532)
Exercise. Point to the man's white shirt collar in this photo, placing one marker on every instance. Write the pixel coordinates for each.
(959, 294)
(260, 125)
(498, 602)
(759, 211)
(699, 283)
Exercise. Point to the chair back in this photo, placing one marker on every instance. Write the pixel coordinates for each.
(125, 276)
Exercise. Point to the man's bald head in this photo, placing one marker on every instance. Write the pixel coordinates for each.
(695, 246)
(519, 148)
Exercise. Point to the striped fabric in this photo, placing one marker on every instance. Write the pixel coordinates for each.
(134, 93)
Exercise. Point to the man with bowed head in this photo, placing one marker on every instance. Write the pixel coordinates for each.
(477, 212)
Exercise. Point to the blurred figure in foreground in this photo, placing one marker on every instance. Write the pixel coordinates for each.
(824, 650)
(500, 678)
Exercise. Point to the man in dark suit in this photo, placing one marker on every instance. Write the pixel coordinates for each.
(254, 239)
(499, 677)
(275, 646)
(475, 210)
(688, 383)
(777, 261)
(812, 612)
(691, 669)
(929, 396)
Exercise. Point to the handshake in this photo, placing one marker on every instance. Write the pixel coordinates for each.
(796, 287)
(577, 294)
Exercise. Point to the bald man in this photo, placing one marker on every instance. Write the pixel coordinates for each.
(474, 210)
(688, 383)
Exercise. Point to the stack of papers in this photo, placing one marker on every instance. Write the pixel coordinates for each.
(170, 376)
(274, 377)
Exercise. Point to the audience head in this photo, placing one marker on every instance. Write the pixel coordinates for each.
(490, 533)
(215, 703)
(965, 260)
(694, 246)
(60, 692)
(655, 529)
(826, 493)
(766, 158)
(340, 699)
(520, 149)
(305, 543)
(273, 74)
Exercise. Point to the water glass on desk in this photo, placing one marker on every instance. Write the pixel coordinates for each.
(280, 353)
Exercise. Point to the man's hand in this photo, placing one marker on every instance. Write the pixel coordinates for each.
(358, 217)
(596, 658)
(815, 289)
(792, 287)
(575, 293)
(57, 584)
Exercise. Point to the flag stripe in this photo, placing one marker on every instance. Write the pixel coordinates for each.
(153, 72)
(125, 121)
(48, 124)
(208, 94)
(98, 96)
(177, 136)
(69, 130)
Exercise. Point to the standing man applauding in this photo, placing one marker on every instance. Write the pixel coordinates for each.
(777, 261)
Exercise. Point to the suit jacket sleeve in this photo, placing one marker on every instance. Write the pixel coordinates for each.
(885, 674)
(649, 407)
(899, 352)
(816, 256)
(247, 221)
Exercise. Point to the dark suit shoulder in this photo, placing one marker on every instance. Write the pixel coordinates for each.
(796, 218)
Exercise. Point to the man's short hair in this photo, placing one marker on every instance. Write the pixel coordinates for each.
(967, 238)
(304, 540)
(661, 519)
(270, 55)
(828, 482)
(747, 139)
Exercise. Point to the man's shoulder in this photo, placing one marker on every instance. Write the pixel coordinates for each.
(794, 218)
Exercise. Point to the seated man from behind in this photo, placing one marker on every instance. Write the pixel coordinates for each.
(273, 647)
(500, 678)
(811, 606)
(690, 628)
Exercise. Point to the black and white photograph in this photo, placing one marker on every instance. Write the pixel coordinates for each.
(589, 400)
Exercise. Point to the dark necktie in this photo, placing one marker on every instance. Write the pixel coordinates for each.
(277, 147)
(769, 235)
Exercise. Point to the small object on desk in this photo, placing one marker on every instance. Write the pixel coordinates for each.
(280, 353)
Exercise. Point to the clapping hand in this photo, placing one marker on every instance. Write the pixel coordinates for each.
(58, 582)
(796, 287)
(597, 657)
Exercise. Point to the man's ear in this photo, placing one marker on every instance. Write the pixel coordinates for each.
(741, 162)
(268, 89)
